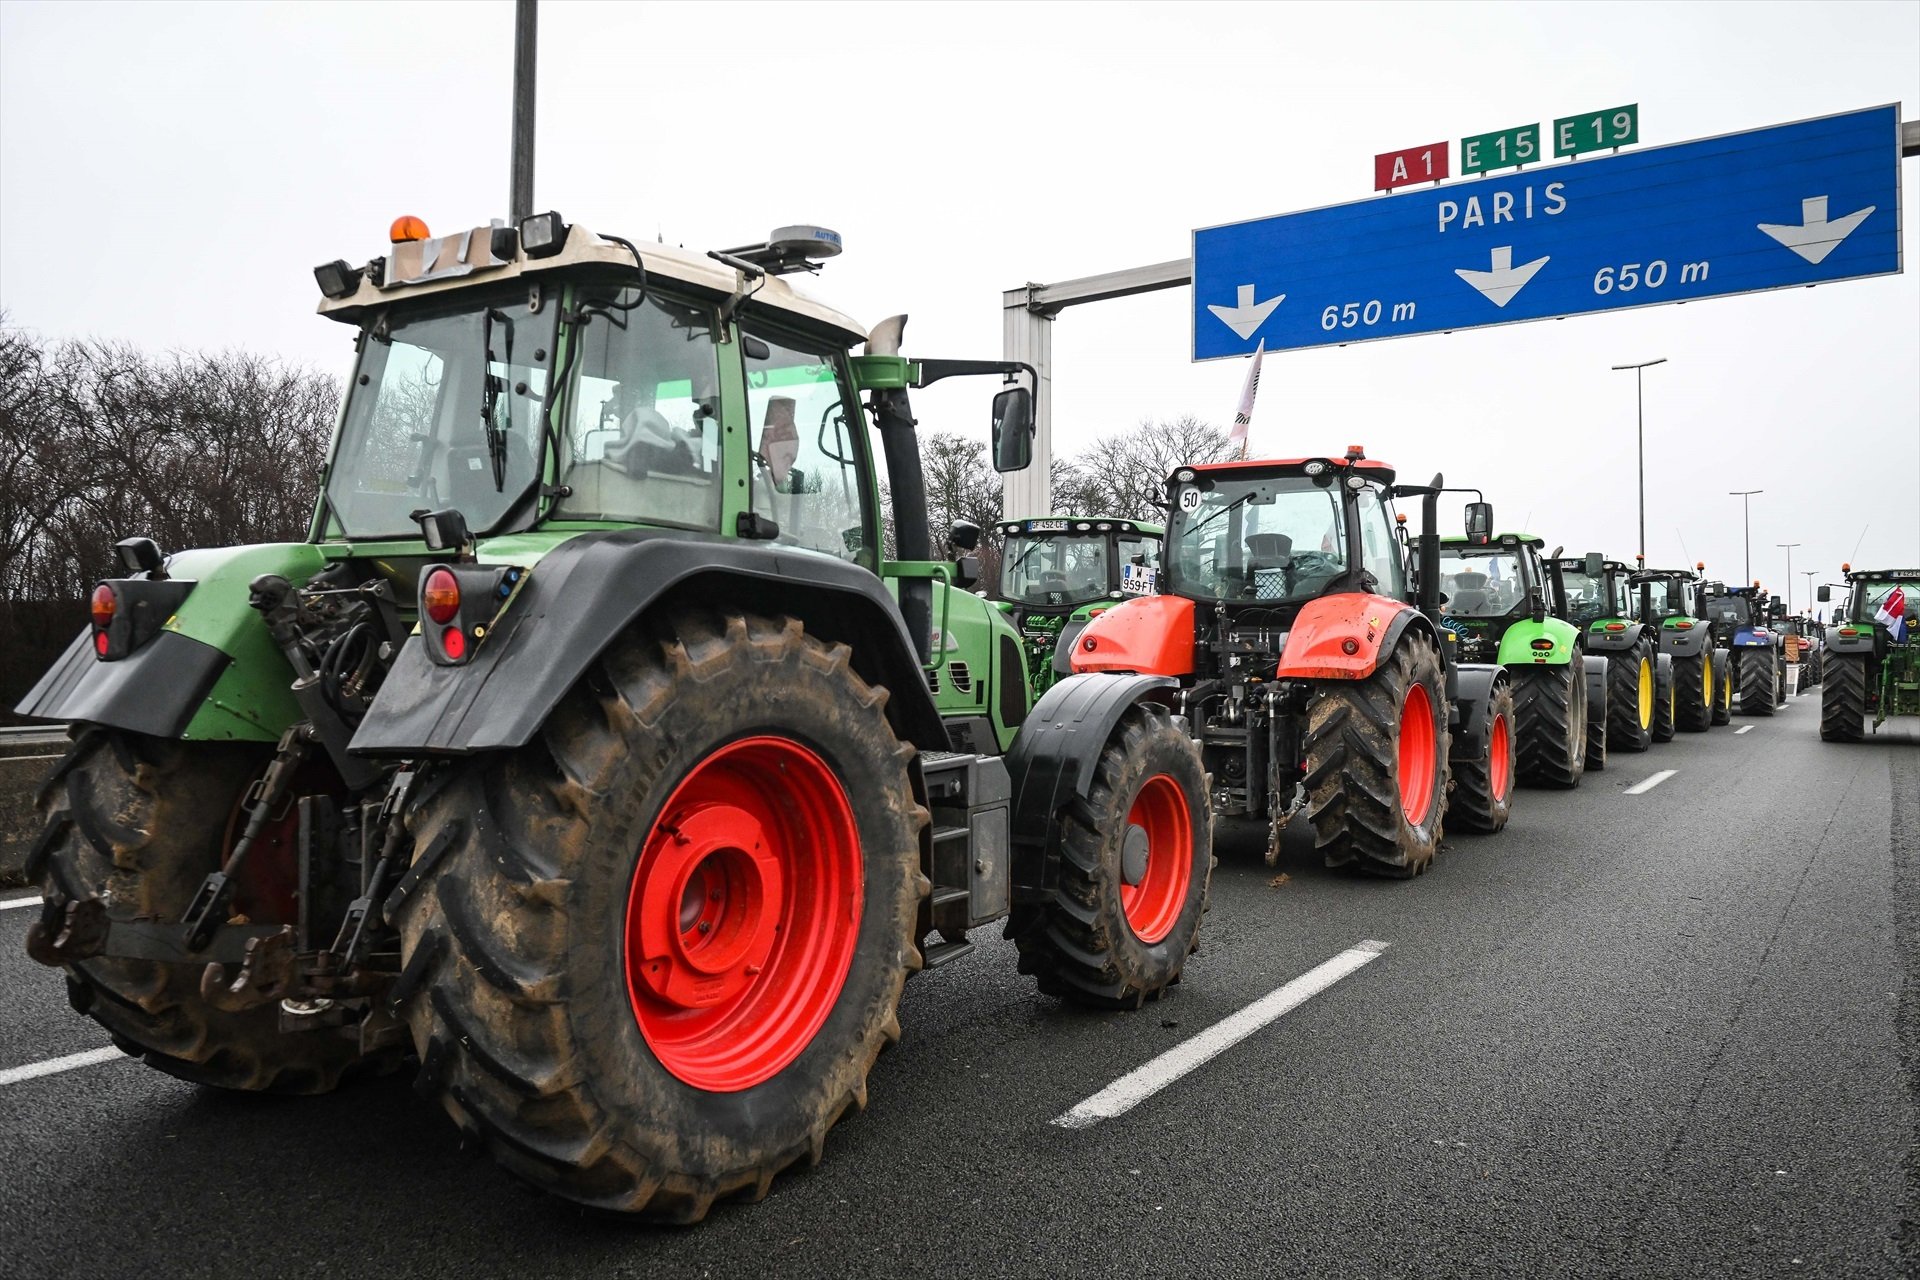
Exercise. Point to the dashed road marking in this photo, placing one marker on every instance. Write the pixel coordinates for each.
(1648, 784)
(53, 1066)
(1143, 1082)
(1745, 728)
(12, 903)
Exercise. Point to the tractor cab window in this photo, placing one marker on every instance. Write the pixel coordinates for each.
(1728, 609)
(416, 430)
(1054, 570)
(1481, 582)
(1667, 598)
(1587, 598)
(1279, 538)
(1623, 595)
(804, 427)
(1140, 550)
(641, 442)
(1380, 550)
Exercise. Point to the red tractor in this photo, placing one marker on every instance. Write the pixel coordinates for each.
(1311, 668)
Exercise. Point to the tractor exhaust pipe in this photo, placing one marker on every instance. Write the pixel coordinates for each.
(1430, 548)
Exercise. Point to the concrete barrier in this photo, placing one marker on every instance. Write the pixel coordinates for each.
(25, 757)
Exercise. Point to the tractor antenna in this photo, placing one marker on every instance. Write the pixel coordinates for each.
(1858, 541)
(1683, 543)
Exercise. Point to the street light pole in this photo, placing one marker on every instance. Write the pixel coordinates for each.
(1746, 525)
(1808, 574)
(1789, 546)
(1640, 433)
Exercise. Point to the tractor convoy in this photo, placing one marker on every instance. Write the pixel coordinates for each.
(591, 759)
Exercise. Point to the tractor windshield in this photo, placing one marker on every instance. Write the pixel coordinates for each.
(1668, 596)
(443, 411)
(1481, 582)
(1275, 538)
(1056, 569)
(1871, 597)
(1729, 609)
(1588, 597)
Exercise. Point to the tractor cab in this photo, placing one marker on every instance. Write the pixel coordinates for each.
(1486, 587)
(1594, 600)
(1057, 572)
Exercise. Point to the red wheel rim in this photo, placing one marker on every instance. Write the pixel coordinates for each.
(744, 914)
(1416, 754)
(1153, 904)
(1500, 758)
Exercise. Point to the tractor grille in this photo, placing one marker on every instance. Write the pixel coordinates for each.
(957, 675)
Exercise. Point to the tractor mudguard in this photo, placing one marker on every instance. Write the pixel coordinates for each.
(1851, 638)
(1688, 642)
(589, 589)
(1317, 645)
(1474, 686)
(1601, 640)
(1751, 638)
(1152, 635)
(1662, 675)
(212, 672)
(1520, 646)
(1054, 757)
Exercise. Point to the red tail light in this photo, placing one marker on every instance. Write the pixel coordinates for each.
(1616, 626)
(441, 596)
(454, 641)
(1543, 644)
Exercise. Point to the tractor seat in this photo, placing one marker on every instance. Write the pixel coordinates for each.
(1470, 595)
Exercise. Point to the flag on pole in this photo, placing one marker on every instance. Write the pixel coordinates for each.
(1243, 417)
(1892, 614)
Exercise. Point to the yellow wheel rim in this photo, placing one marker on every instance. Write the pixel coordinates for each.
(1646, 694)
(1706, 679)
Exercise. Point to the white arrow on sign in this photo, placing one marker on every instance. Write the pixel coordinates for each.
(1500, 284)
(1815, 237)
(1247, 315)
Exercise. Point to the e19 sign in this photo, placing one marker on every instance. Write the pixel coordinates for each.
(1596, 131)
(1404, 168)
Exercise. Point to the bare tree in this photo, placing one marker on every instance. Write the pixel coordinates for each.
(1126, 474)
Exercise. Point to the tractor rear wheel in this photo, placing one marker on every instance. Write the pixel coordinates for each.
(1376, 753)
(1843, 699)
(1757, 682)
(1482, 798)
(141, 821)
(1723, 692)
(1630, 698)
(665, 940)
(1135, 859)
(1693, 682)
(1550, 706)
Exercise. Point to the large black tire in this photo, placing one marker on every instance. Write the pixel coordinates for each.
(1355, 792)
(517, 975)
(1142, 836)
(1665, 702)
(1843, 699)
(1596, 727)
(1723, 687)
(1629, 691)
(1693, 681)
(1550, 708)
(1481, 797)
(142, 821)
(1758, 684)
(1780, 682)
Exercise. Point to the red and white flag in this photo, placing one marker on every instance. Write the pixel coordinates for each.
(1243, 416)
(1892, 614)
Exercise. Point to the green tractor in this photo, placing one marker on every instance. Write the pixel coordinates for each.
(1702, 689)
(1059, 572)
(585, 750)
(1872, 658)
(1743, 622)
(1640, 697)
(1503, 606)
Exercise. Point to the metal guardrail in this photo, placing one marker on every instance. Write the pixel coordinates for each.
(13, 733)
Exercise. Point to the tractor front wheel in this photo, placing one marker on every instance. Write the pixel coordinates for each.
(1550, 705)
(1630, 689)
(1135, 859)
(1843, 699)
(1666, 704)
(665, 940)
(1482, 797)
(1757, 682)
(1376, 753)
(1693, 684)
(140, 822)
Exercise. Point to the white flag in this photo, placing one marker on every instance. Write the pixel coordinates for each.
(1243, 417)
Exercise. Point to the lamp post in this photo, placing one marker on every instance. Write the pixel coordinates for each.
(1640, 433)
(1746, 527)
(1808, 574)
(1789, 546)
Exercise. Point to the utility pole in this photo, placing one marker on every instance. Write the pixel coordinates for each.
(1640, 433)
(1789, 546)
(1746, 526)
(525, 21)
(1808, 574)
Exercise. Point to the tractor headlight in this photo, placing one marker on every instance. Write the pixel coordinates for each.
(543, 235)
(336, 279)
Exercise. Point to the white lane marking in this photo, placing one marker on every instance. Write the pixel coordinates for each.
(11, 903)
(1143, 1082)
(14, 1075)
(1640, 788)
(1745, 728)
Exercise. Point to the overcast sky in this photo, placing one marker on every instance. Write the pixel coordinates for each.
(170, 173)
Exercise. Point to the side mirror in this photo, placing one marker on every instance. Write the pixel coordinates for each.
(965, 535)
(966, 572)
(1774, 604)
(1595, 564)
(1479, 521)
(1824, 594)
(1012, 430)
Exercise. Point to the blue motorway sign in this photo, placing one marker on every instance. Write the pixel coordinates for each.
(1796, 204)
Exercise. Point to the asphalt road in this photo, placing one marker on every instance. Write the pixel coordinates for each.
(1668, 1034)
